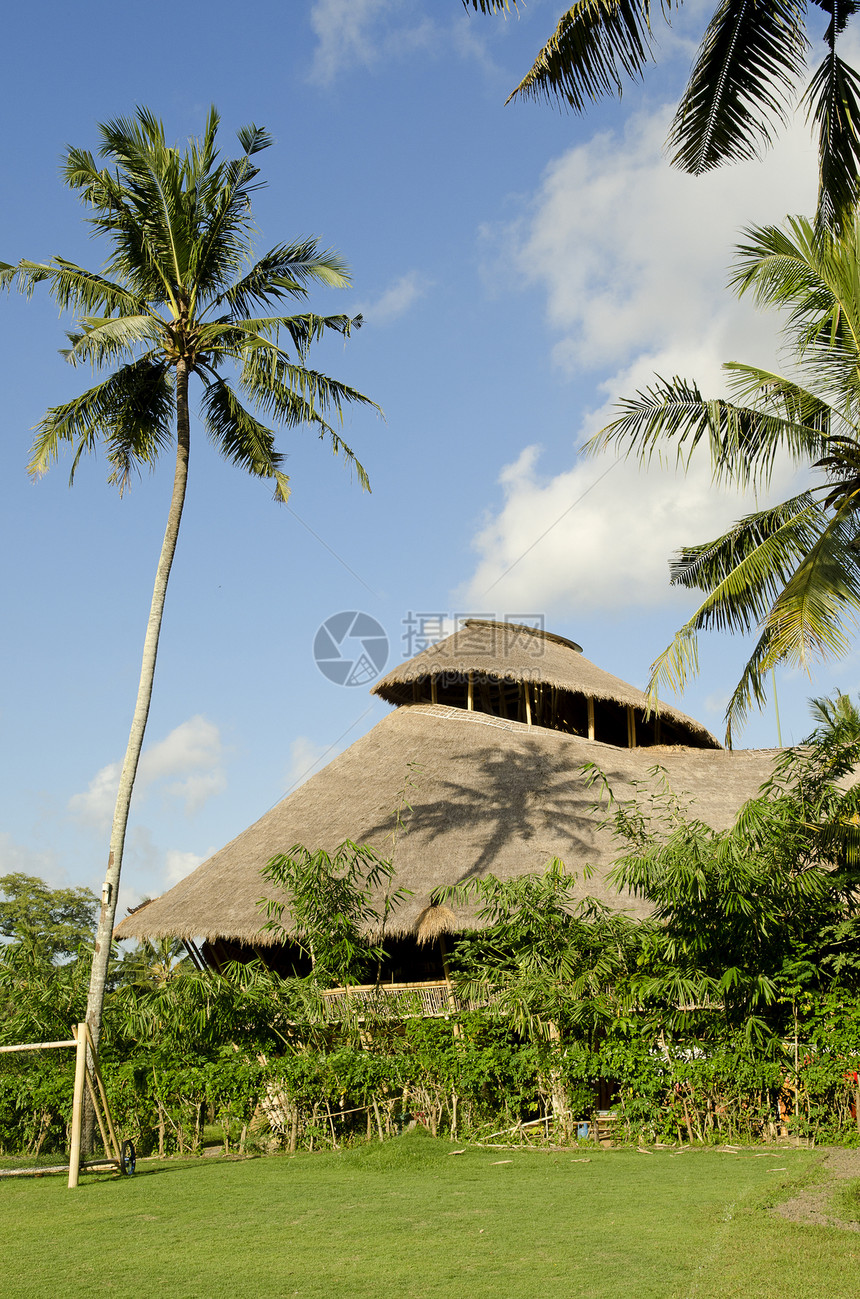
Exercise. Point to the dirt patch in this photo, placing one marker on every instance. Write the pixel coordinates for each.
(811, 1204)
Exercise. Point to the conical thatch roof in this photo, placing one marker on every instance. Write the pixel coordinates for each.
(489, 796)
(509, 652)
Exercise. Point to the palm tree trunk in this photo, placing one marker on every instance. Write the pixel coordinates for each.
(110, 888)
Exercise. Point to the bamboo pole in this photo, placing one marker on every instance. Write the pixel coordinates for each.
(98, 1113)
(98, 1073)
(78, 1104)
(590, 703)
(631, 727)
(470, 694)
(528, 703)
(434, 698)
(38, 1046)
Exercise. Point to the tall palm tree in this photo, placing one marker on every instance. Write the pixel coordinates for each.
(791, 572)
(181, 296)
(749, 67)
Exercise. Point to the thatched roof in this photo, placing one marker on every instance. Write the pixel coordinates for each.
(503, 651)
(489, 797)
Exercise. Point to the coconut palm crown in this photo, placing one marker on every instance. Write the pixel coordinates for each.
(791, 572)
(181, 296)
(747, 71)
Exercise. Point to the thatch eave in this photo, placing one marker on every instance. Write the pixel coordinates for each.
(501, 652)
(490, 797)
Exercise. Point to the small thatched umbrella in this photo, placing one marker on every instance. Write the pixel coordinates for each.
(434, 922)
(432, 925)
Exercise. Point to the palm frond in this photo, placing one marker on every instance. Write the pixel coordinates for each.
(833, 104)
(107, 340)
(750, 689)
(285, 271)
(743, 441)
(75, 289)
(129, 411)
(745, 573)
(752, 54)
(781, 265)
(239, 436)
(254, 138)
(293, 393)
(808, 417)
(807, 619)
(596, 44)
(750, 564)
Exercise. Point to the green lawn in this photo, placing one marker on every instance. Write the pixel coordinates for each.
(410, 1219)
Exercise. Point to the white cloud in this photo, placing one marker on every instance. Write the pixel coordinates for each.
(632, 257)
(367, 33)
(632, 253)
(396, 300)
(185, 765)
(179, 864)
(16, 858)
(97, 804)
(360, 33)
(609, 551)
(305, 757)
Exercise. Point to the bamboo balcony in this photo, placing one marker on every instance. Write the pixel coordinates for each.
(432, 1000)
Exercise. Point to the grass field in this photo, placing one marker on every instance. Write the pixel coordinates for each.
(410, 1219)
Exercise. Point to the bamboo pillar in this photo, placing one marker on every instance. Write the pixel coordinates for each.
(631, 727)
(528, 703)
(470, 694)
(443, 949)
(434, 698)
(78, 1103)
(486, 701)
(590, 718)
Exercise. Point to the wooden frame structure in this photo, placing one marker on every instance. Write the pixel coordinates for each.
(88, 1077)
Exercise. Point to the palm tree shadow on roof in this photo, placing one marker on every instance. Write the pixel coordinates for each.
(499, 798)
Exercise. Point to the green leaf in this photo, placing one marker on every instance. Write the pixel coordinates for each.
(595, 45)
(751, 56)
(833, 104)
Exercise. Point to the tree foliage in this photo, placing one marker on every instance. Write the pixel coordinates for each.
(56, 921)
(787, 573)
(331, 907)
(742, 87)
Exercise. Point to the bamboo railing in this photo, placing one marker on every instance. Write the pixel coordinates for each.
(432, 1000)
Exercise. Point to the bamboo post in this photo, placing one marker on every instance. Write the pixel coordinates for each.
(434, 698)
(98, 1113)
(78, 1103)
(37, 1046)
(631, 727)
(470, 693)
(98, 1074)
(528, 703)
(590, 718)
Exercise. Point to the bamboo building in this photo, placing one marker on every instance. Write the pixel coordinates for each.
(494, 727)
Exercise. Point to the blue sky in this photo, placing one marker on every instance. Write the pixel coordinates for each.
(519, 269)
